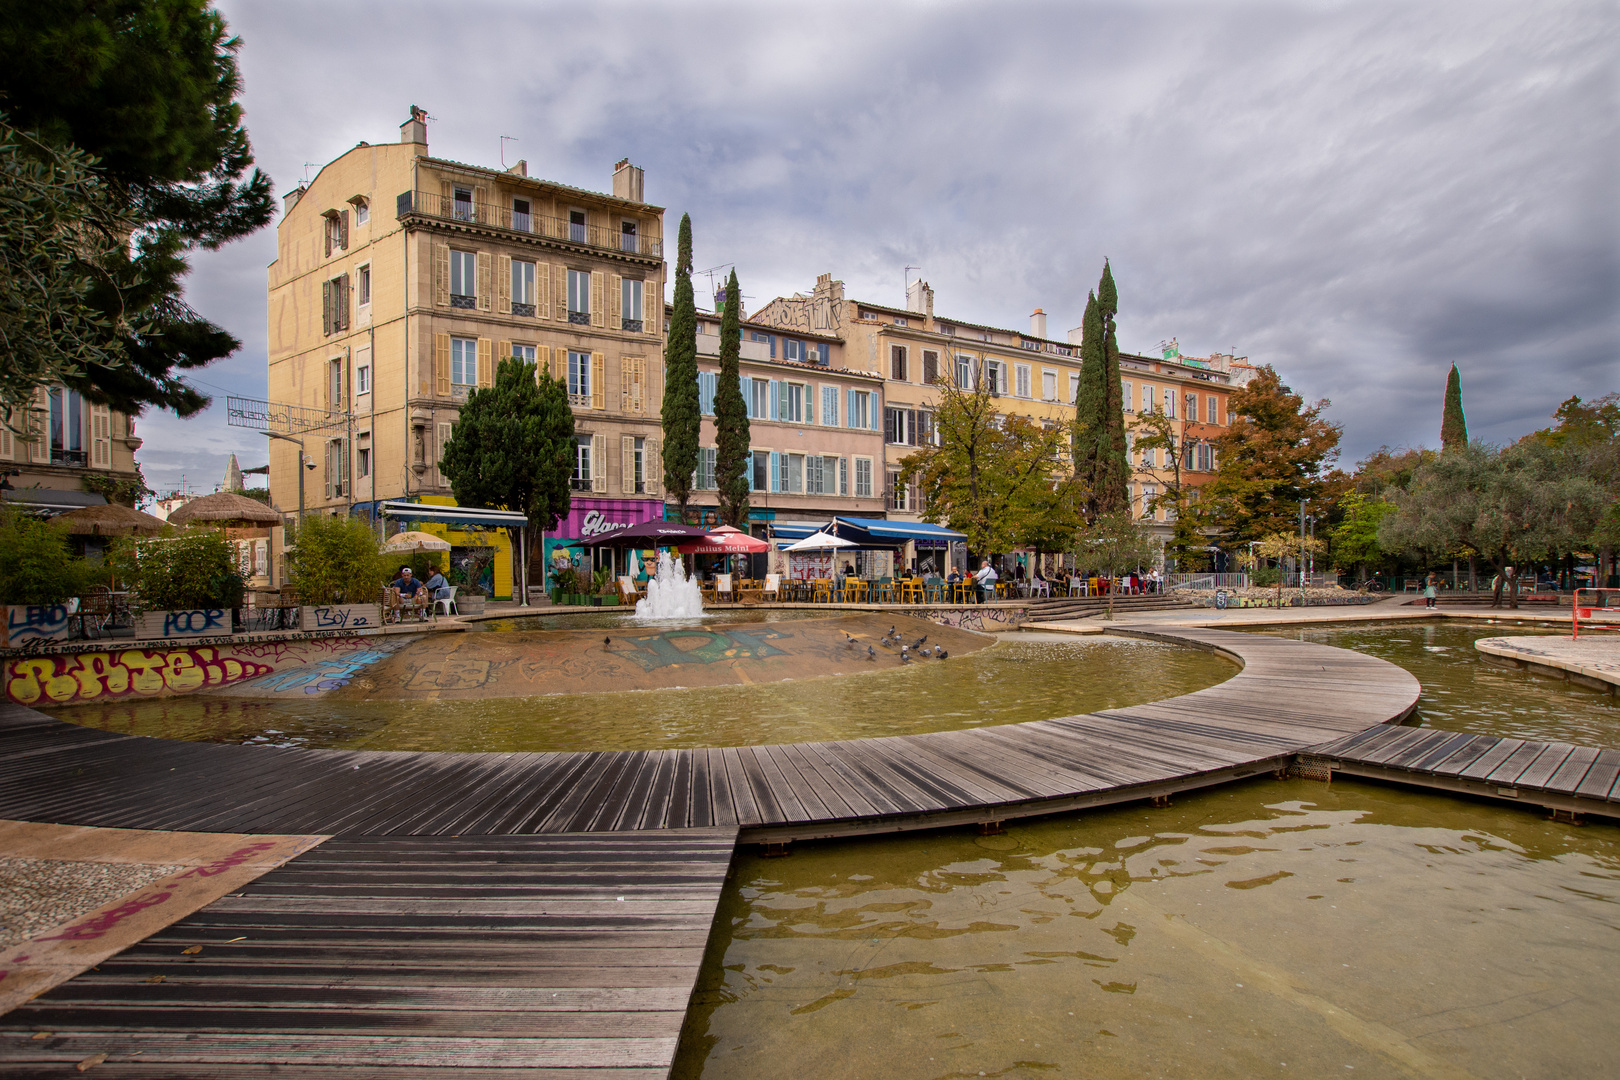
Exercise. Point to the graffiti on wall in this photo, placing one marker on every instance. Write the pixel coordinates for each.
(93, 675)
(321, 675)
(984, 619)
(27, 624)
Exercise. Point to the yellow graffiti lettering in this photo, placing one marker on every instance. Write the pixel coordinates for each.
(23, 680)
(145, 670)
(99, 673)
(182, 673)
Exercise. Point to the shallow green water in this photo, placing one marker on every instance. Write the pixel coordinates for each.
(1462, 692)
(1269, 929)
(1009, 683)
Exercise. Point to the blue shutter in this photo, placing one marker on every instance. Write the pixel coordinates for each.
(872, 411)
(748, 469)
(776, 401)
(849, 408)
(776, 475)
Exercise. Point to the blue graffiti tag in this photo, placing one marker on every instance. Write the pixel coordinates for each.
(197, 621)
(324, 675)
(36, 621)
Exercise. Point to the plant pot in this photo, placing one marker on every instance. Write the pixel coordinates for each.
(556, 596)
(610, 601)
(192, 623)
(470, 605)
(26, 624)
(340, 617)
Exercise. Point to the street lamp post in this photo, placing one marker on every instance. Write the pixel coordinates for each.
(303, 464)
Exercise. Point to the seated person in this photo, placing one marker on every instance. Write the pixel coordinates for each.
(955, 577)
(406, 589)
(984, 580)
(437, 587)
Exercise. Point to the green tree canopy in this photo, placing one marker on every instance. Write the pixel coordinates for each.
(148, 87)
(513, 447)
(682, 414)
(1453, 425)
(1274, 454)
(1114, 544)
(731, 414)
(1099, 426)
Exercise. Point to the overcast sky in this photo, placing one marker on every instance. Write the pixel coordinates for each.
(1358, 194)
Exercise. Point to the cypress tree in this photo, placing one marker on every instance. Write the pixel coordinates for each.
(1453, 425)
(1111, 490)
(731, 415)
(681, 412)
(1090, 405)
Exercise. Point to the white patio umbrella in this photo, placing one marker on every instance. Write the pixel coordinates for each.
(416, 541)
(820, 541)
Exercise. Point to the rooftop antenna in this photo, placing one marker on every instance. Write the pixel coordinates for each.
(308, 165)
(504, 140)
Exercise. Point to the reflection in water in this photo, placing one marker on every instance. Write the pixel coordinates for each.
(1463, 692)
(1008, 683)
(1276, 929)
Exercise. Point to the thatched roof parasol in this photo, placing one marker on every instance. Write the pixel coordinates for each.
(225, 508)
(110, 520)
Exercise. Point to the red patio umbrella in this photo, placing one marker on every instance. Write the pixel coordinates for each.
(724, 541)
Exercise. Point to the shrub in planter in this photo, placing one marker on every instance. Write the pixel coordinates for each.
(339, 570)
(38, 578)
(185, 585)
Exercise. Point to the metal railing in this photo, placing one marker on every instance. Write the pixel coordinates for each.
(273, 416)
(1207, 581)
(609, 238)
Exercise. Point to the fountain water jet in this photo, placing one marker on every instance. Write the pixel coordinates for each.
(670, 593)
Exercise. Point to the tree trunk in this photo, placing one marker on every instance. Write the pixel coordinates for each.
(1473, 583)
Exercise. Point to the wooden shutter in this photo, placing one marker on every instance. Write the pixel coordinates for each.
(652, 466)
(326, 308)
(340, 303)
(627, 464)
(441, 364)
(598, 380)
(542, 360)
(441, 275)
(632, 380)
(448, 194)
(486, 270)
(652, 308)
(486, 363)
(598, 308)
(615, 298)
(599, 463)
(542, 290)
(503, 286)
(8, 446)
(559, 282)
(343, 229)
(559, 365)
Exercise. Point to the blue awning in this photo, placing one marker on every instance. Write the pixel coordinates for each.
(792, 530)
(899, 530)
(873, 533)
(465, 516)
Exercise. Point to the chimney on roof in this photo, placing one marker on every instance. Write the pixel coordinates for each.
(290, 200)
(629, 181)
(920, 297)
(1077, 335)
(414, 130)
(520, 169)
(1037, 324)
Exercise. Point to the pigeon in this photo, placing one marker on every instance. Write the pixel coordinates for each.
(892, 633)
(871, 653)
(941, 653)
(920, 641)
(849, 642)
(904, 657)
(607, 641)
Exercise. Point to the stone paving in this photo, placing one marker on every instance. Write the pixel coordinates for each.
(1596, 657)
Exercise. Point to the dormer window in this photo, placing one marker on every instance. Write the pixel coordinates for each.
(362, 209)
(576, 226)
(627, 237)
(336, 227)
(520, 215)
(462, 204)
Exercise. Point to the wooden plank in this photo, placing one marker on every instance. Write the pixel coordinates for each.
(1601, 779)
(1515, 763)
(1487, 762)
(1546, 764)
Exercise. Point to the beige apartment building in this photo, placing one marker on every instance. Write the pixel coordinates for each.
(910, 348)
(47, 456)
(400, 279)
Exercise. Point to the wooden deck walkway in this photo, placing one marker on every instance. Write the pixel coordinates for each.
(1289, 695)
(404, 956)
(1560, 776)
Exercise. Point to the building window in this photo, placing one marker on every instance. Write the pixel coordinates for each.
(362, 283)
(901, 321)
(863, 478)
(337, 231)
(630, 305)
(334, 384)
(362, 379)
(581, 480)
(897, 426)
(638, 466)
(576, 226)
(461, 207)
(704, 480)
(1191, 410)
(463, 366)
(995, 378)
(627, 237)
(1147, 400)
(897, 363)
(523, 288)
(930, 372)
(791, 480)
(1048, 385)
(521, 221)
(859, 409)
(463, 279)
(760, 480)
(1074, 391)
(579, 297)
(708, 383)
(362, 462)
(964, 372)
(1021, 373)
(67, 428)
(523, 352)
(829, 406)
(1127, 399)
(1206, 456)
(1149, 493)
(759, 400)
(362, 211)
(579, 378)
(769, 339)
(1169, 403)
(793, 410)
(1147, 457)
(335, 305)
(1209, 405)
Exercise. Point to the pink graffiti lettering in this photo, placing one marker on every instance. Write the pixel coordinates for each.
(97, 925)
(235, 858)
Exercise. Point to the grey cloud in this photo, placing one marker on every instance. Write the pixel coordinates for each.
(1359, 194)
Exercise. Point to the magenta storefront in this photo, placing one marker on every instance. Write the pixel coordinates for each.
(591, 519)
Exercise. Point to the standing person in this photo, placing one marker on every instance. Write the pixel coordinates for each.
(984, 580)
(1428, 590)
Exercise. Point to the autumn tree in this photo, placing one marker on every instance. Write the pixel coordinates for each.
(1156, 431)
(994, 477)
(1274, 455)
(682, 413)
(731, 414)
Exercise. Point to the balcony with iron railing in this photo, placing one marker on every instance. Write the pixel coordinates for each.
(606, 238)
(76, 458)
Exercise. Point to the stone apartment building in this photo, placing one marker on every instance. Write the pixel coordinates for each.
(401, 278)
(1190, 391)
(909, 348)
(48, 456)
(814, 426)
